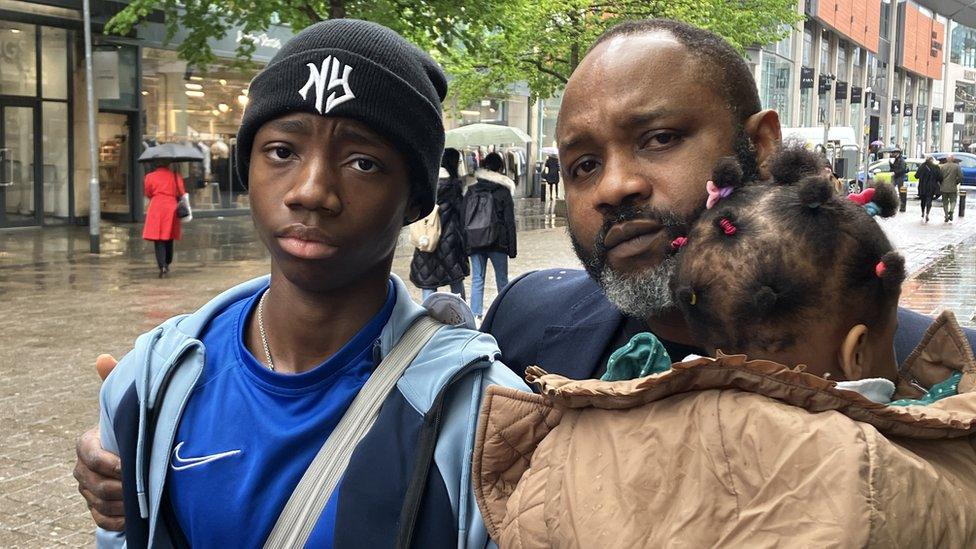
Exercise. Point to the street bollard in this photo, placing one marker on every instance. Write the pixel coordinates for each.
(902, 198)
(962, 203)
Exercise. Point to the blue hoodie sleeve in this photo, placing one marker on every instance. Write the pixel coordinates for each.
(114, 388)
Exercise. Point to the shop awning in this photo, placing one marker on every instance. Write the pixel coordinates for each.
(960, 11)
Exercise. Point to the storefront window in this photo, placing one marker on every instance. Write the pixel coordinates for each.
(824, 53)
(54, 59)
(807, 46)
(54, 121)
(203, 110)
(776, 78)
(18, 59)
(963, 49)
(115, 76)
(842, 62)
(806, 107)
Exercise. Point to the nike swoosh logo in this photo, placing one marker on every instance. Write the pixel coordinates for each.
(180, 463)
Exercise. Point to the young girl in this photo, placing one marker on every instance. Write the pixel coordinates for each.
(325, 371)
(795, 440)
(792, 272)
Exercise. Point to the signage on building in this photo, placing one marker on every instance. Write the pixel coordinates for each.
(856, 94)
(895, 106)
(949, 117)
(260, 39)
(936, 115)
(840, 91)
(806, 78)
(824, 85)
(907, 111)
(969, 75)
(105, 65)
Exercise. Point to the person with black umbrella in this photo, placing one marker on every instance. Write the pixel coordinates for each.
(164, 188)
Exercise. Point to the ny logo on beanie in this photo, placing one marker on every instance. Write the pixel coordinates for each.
(330, 68)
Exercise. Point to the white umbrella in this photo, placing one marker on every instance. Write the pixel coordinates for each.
(473, 135)
(550, 150)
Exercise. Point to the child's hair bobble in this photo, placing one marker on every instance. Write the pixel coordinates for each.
(792, 164)
(880, 200)
(726, 176)
(679, 243)
(815, 191)
(727, 227)
(891, 271)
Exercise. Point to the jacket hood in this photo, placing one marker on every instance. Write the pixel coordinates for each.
(483, 175)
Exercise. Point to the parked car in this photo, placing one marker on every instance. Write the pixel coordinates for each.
(880, 171)
(967, 161)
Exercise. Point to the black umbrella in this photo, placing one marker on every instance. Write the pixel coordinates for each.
(172, 152)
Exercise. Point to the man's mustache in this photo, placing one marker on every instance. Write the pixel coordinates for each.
(673, 223)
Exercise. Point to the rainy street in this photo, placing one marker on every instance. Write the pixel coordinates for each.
(61, 307)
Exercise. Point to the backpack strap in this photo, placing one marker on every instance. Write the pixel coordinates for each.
(308, 500)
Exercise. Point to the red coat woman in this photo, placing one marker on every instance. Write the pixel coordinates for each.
(163, 189)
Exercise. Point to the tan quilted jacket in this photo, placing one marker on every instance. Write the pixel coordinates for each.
(730, 452)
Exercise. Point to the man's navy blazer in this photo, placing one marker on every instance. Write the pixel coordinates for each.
(560, 320)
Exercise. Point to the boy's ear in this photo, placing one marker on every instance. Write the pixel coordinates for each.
(852, 352)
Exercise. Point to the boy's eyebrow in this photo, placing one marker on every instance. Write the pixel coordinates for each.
(356, 135)
(291, 125)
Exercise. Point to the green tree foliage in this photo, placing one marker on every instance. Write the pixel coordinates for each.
(435, 25)
(542, 41)
(484, 46)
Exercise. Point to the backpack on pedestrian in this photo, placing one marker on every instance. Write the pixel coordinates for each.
(479, 219)
(426, 233)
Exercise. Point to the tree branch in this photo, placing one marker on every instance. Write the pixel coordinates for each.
(544, 69)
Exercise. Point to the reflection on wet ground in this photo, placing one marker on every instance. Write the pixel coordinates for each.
(947, 283)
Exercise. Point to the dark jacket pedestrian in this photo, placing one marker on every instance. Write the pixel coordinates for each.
(489, 220)
(929, 178)
(899, 169)
(448, 264)
(500, 188)
(551, 171)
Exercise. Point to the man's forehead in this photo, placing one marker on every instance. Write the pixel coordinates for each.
(628, 76)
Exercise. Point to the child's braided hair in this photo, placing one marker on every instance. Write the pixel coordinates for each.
(762, 264)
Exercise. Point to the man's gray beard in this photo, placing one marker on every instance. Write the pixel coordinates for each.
(642, 294)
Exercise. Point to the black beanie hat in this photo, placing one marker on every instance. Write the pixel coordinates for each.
(363, 71)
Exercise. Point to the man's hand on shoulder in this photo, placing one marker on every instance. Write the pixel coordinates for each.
(99, 473)
(99, 476)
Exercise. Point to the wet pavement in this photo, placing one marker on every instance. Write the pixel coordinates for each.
(60, 307)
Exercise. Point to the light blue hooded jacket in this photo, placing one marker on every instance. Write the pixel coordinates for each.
(438, 397)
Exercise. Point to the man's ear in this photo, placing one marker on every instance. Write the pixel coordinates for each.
(852, 352)
(764, 131)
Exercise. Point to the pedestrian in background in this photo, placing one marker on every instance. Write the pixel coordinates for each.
(551, 175)
(898, 168)
(448, 264)
(489, 220)
(951, 179)
(929, 177)
(164, 189)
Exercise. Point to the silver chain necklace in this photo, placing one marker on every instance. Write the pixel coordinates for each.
(264, 336)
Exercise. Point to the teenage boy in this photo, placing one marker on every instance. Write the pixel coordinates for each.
(217, 415)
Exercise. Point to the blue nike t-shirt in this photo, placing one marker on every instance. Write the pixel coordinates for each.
(248, 434)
